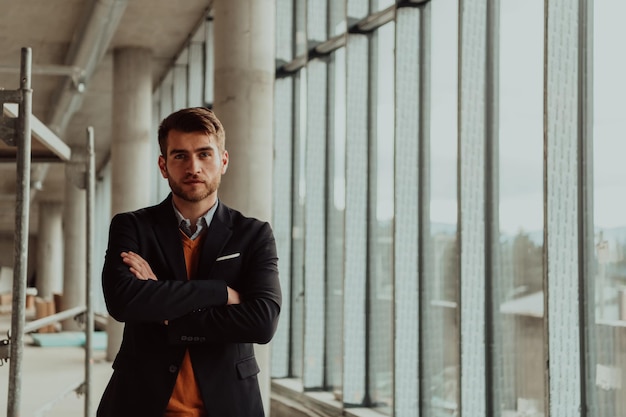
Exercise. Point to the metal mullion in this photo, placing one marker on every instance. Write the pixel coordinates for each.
(408, 195)
(492, 223)
(587, 248)
(561, 205)
(424, 243)
(371, 185)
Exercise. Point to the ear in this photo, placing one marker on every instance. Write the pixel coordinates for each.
(224, 162)
(162, 166)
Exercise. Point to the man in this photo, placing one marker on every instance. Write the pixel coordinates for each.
(195, 282)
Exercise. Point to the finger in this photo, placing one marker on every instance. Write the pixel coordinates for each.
(139, 266)
(134, 260)
(137, 274)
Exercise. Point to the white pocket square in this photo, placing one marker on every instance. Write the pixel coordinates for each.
(225, 257)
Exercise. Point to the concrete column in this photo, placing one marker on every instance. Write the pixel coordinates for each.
(244, 93)
(50, 250)
(74, 236)
(132, 168)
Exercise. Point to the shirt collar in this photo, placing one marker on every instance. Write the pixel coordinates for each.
(200, 224)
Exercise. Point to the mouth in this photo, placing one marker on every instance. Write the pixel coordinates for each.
(193, 181)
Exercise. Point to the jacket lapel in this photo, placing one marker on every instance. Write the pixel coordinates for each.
(218, 234)
(168, 235)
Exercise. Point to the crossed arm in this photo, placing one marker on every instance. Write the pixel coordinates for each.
(254, 323)
(141, 269)
(206, 310)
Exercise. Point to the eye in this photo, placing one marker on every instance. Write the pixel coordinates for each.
(205, 154)
(179, 156)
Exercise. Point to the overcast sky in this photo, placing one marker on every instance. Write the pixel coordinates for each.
(521, 114)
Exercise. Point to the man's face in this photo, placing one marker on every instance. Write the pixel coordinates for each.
(193, 165)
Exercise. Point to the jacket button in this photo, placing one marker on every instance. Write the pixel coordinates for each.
(173, 368)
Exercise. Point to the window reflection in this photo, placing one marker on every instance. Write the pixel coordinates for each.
(298, 226)
(381, 222)
(441, 345)
(608, 332)
(518, 284)
(336, 17)
(336, 224)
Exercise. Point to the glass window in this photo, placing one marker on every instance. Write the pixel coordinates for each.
(298, 226)
(378, 5)
(411, 136)
(196, 75)
(336, 17)
(282, 213)
(441, 282)
(179, 72)
(315, 224)
(357, 9)
(380, 248)
(284, 30)
(336, 205)
(356, 238)
(608, 332)
(317, 22)
(300, 28)
(209, 63)
(518, 282)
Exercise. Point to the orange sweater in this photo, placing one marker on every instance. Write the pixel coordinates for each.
(186, 400)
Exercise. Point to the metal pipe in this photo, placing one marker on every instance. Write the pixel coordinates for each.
(23, 139)
(62, 315)
(89, 320)
(52, 70)
(100, 22)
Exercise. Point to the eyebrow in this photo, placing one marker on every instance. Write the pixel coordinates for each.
(179, 151)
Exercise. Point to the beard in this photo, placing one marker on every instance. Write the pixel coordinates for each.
(198, 194)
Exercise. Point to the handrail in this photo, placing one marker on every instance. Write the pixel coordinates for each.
(61, 315)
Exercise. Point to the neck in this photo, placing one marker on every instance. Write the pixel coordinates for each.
(194, 210)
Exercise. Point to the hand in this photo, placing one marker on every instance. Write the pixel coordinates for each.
(138, 266)
(233, 296)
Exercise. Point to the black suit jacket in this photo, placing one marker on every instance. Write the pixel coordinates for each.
(238, 252)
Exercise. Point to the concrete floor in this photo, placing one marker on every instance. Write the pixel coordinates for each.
(49, 377)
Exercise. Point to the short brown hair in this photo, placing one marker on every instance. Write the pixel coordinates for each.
(193, 119)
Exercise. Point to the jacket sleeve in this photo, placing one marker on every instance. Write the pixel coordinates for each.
(254, 320)
(129, 299)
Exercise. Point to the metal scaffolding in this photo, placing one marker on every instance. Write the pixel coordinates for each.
(16, 132)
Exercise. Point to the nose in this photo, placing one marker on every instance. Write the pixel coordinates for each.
(194, 166)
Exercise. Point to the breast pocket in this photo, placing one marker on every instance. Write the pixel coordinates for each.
(227, 267)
